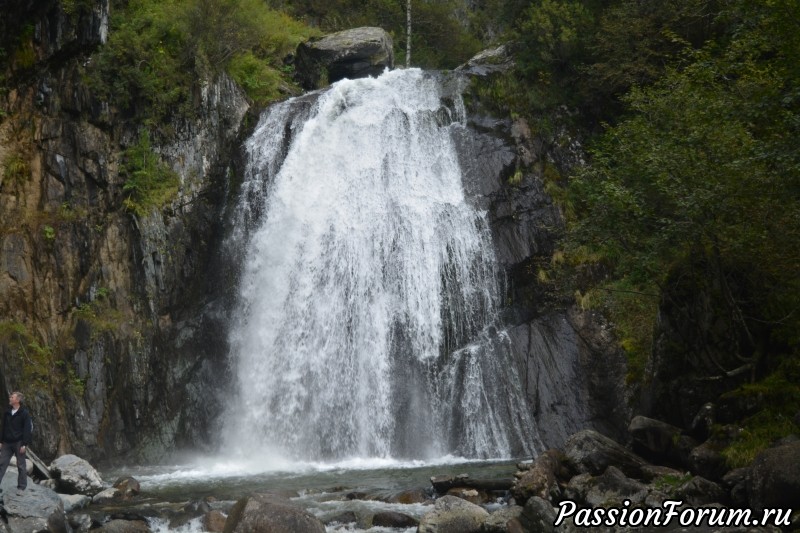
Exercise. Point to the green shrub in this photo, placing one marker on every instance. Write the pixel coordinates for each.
(49, 233)
(257, 78)
(778, 399)
(149, 183)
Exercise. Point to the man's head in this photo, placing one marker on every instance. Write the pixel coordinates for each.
(14, 399)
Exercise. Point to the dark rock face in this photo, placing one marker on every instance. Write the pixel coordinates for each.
(695, 352)
(116, 297)
(590, 452)
(571, 375)
(775, 478)
(567, 360)
(547, 352)
(355, 53)
(570, 368)
(270, 514)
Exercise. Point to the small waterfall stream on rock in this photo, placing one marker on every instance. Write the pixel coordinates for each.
(367, 317)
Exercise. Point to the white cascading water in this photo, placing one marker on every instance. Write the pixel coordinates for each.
(369, 292)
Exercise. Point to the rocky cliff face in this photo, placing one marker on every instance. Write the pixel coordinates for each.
(573, 371)
(106, 317)
(114, 323)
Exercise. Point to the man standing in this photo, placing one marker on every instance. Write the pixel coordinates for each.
(16, 436)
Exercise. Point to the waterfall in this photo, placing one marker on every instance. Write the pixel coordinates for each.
(367, 315)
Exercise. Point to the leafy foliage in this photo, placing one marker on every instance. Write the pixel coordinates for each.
(778, 396)
(587, 54)
(701, 167)
(156, 50)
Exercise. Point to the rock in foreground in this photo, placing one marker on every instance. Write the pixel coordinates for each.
(266, 513)
(33, 509)
(453, 515)
(76, 476)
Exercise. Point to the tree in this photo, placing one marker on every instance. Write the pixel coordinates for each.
(408, 33)
(704, 169)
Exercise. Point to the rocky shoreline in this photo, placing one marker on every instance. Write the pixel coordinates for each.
(662, 464)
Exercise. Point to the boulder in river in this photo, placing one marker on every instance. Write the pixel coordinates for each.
(214, 521)
(266, 513)
(393, 519)
(123, 526)
(76, 476)
(453, 515)
(127, 486)
(107, 495)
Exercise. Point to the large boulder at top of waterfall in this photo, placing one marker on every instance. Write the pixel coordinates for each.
(355, 53)
(453, 515)
(76, 476)
(31, 510)
(266, 513)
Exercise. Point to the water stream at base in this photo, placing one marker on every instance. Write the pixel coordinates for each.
(366, 325)
(322, 489)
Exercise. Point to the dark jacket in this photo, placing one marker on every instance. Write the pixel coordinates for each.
(17, 427)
